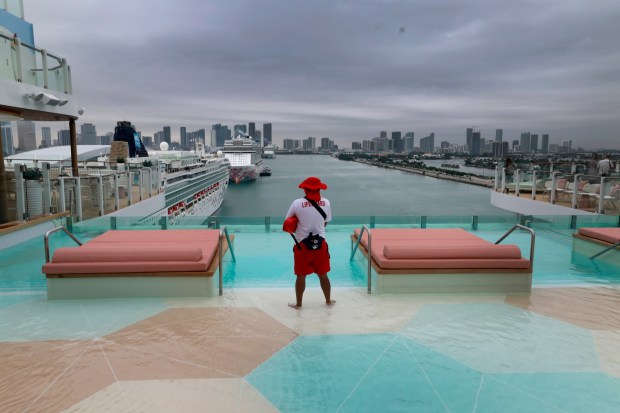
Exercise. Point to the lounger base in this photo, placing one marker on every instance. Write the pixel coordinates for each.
(131, 286)
(461, 282)
(589, 246)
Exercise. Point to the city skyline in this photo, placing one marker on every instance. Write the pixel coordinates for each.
(342, 69)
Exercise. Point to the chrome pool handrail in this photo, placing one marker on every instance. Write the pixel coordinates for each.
(611, 247)
(532, 240)
(46, 240)
(223, 235)
(354, 250)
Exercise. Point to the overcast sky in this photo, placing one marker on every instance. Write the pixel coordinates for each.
(344, 69)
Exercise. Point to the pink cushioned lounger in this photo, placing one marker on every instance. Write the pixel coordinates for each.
(611, 235)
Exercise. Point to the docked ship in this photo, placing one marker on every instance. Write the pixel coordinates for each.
(244, 155)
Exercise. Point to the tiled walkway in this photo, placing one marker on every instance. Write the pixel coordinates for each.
(555, 350)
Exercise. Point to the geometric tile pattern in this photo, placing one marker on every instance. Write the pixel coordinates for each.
(190, 343)
(499, 338)
(554, 350)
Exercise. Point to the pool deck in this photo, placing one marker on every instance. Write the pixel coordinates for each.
(554, 350)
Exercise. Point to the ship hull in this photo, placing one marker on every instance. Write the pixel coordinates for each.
(240, 174)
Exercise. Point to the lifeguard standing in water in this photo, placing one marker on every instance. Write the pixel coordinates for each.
(306, 219)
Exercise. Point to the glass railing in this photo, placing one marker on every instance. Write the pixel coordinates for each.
(96, 192)
(36, 67)
(592, 193)
(13, 6)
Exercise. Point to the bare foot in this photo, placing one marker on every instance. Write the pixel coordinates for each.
(295, 306)
(331, 303)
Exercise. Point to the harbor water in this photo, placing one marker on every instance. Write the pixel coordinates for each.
(355, 190)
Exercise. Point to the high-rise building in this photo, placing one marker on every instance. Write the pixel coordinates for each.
(240, 129)
(534, 142)
(46, 136)
(288, 144)
(397, 142)
(469, 133)
(427, 144)
(524, 144)
(167, 136)
(219, 134)
(184, 140)
(499, 135)
(409, 142)
(475, 143)
(26, 137)
(64, 137)
(544, 147)
(311, 143)
(356, 146)
(500, 149)
(7, 138)
(383, 134)
(252, 130)
(267, 139)
(88, 134)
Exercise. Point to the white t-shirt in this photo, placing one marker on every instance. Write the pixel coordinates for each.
(604, 166)
(310, 220)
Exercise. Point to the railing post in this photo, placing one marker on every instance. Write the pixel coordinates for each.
(44, 63)
(130, 187)
(601, 196)
(141, 179)
(503, 180)
(65, 75)
(47, 191)
(61, 188)
(78, 198)
(18, 58)
(116, 200)
(517, 182)
(100, 195)
(496, 179)
(534, 185)
(20, 193)
(574, 194)
(554, 185)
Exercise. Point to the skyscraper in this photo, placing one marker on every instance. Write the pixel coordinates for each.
(409, 142)
(534, 142)
(475, 144)
(7, 138)
(26, 137)
(397, 142)
(524, 143)
(46, 136)
(167, 137)
(544, 147)
(267, 139)
(184, 140)
(252, 130)
(88, 134)
(499, 135)
(64, 137)
(469, 134)
(427, 144)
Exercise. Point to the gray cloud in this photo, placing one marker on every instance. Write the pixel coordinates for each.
(344, 69)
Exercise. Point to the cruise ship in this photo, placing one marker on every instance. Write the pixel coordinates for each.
(244, 155)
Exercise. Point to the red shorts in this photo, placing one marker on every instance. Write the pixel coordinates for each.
(309, 261)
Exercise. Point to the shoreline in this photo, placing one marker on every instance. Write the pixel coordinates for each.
(472, 180)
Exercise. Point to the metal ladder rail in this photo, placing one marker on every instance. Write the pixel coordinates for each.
(354, 250)
(532, 240)
(223, 235)
(46, 240)
(617, 244)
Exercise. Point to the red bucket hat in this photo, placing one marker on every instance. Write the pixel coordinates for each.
(312, 183)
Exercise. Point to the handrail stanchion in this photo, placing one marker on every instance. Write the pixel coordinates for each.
(611, 247)
(554, 186)
(223, 235)
(517, 182)
(503, 180)
(46, 240)
(354, 250)
(601, 196)
(574, 194)
(534, 185)
(532, 240)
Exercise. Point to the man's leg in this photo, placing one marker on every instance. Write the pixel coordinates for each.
(300, 287)
(326, 286)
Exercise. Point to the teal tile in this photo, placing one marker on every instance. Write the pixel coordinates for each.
(499, 338)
